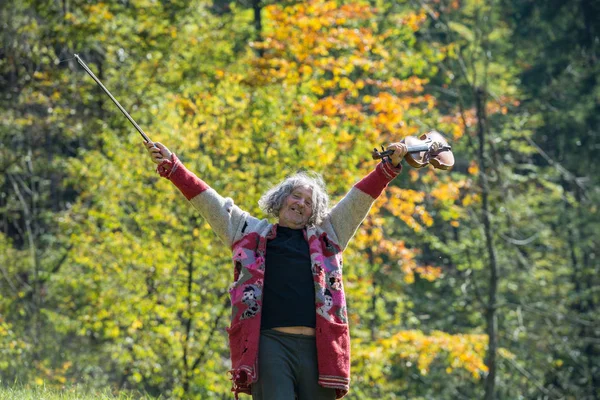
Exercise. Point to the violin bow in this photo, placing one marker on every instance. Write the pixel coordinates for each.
(140, 130)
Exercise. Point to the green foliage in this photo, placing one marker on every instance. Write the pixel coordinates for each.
(105, 261)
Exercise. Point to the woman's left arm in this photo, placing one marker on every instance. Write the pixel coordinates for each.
(348, 214)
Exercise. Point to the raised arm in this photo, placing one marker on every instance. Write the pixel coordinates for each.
(348, 214)
(225, 218)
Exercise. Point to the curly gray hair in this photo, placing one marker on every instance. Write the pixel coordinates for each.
(272, 201)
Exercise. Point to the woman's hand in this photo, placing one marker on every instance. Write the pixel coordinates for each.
(158, 152)
(400, 151)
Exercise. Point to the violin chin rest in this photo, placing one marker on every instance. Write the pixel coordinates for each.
(443, 160)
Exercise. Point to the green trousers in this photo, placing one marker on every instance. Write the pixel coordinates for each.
(287, 368)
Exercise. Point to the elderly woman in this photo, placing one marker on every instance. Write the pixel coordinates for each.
(289, 333)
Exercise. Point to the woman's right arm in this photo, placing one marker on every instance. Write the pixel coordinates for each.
(222, 214)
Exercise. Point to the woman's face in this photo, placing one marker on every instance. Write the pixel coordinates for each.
(297, 208)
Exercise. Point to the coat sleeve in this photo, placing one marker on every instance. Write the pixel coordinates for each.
(348, 214)
(225, 218)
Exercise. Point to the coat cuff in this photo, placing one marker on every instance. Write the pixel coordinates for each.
(185, 180)
(374, 183)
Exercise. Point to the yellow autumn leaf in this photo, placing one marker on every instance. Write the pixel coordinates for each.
(473, 168)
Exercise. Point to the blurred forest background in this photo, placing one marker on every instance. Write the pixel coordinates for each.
(478, 283)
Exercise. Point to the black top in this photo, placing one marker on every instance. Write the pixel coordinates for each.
(289, 291)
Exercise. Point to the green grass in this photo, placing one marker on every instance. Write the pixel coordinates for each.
(72, 393)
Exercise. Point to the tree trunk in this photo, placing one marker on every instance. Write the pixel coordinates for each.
(187, 375)
(490, 312)
(256, 6)
(373, 323)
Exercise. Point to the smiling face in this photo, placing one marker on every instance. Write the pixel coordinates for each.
(297, 208)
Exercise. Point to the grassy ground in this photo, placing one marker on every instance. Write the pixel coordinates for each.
(74, 393)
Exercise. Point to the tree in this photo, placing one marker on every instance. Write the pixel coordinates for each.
(103, 259)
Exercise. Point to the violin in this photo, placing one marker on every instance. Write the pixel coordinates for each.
(429, 148)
